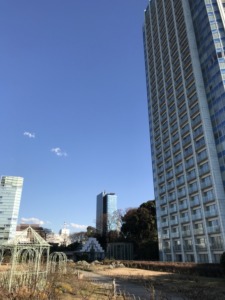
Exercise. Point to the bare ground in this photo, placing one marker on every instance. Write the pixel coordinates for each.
(163, 284)
(170, 285)
(130, 272)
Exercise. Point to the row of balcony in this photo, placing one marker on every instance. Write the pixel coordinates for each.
(194, 217)
(192, 100)
(198, 145)
(192, 188)
(202, 169)
(206, 197)
(187, 233)
(199, 247)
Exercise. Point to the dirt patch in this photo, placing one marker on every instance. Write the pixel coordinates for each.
(130, 272)
(173, 285)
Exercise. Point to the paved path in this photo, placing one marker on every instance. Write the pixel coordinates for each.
(130, 288)
(122, 285)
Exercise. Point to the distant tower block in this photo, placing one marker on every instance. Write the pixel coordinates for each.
(64, 234)
(10, 196)
(106, 207)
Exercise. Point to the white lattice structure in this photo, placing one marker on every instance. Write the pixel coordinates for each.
(26, 259)
(57, 262)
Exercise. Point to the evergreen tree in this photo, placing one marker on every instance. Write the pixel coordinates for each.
(140, 227)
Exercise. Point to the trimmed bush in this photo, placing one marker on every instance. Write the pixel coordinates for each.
(185, 268)
(222, 260)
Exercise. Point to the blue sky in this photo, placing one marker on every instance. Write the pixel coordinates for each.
(73, 106)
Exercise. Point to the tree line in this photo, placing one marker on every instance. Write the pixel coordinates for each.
(135, 225)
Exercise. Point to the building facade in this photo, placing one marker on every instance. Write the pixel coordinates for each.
(184, 42)
(10, 196)
(105, 212)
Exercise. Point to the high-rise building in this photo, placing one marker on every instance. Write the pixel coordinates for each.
(10, 195)
(105, 212)
(184, 42)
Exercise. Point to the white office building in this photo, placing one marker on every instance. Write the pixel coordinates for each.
(184, 43)
(10, 196)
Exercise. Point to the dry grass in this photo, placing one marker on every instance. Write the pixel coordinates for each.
(164, 285)
(170, 284)
(60, 287)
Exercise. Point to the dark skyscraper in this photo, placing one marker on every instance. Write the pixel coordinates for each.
(106, 207)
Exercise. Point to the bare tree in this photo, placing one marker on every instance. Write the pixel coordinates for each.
(110, 222)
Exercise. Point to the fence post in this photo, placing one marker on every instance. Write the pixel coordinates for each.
(114, 287)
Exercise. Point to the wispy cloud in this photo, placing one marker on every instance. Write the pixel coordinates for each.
(29, 134)
(78, 226)
(58, 151)
(32, 221)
